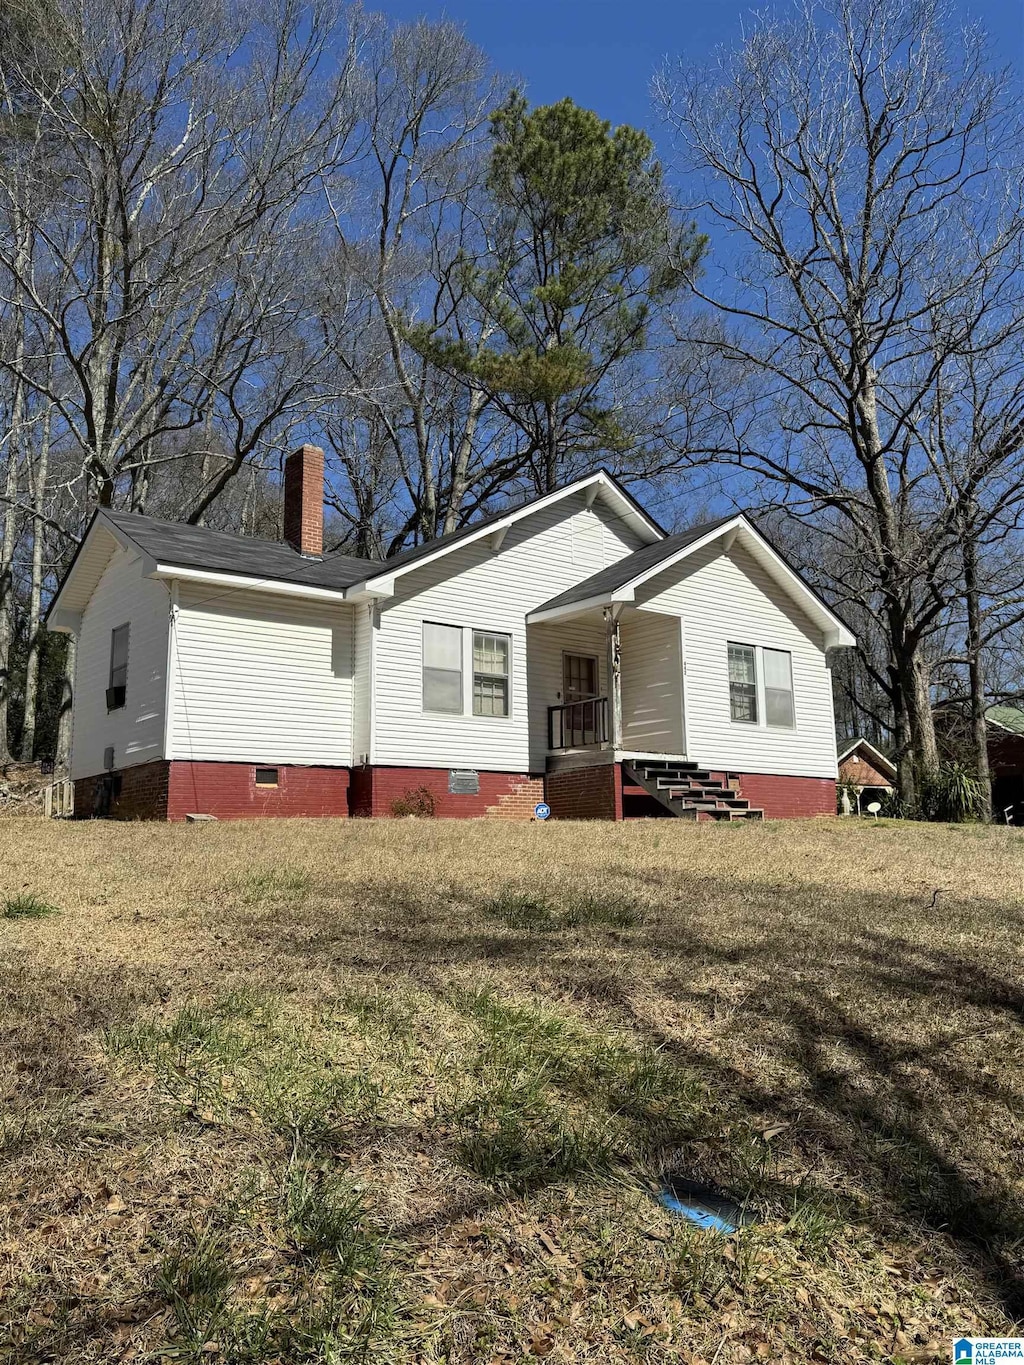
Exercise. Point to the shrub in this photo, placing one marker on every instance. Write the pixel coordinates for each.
(951, 793)
(417, 801)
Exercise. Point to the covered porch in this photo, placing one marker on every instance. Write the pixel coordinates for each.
(608, 684)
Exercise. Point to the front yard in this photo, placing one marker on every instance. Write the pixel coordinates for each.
(401, 1091)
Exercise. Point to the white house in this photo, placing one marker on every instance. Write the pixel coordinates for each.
(567, 650)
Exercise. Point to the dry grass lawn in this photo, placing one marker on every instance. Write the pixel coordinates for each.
(400, 1091)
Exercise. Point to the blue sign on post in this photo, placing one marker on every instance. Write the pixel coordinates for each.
(541, 810)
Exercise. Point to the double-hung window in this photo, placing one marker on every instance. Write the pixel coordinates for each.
(743, 683)
(490, 674)
(117, 681)
(761, 686)
(778, 688)
(442, 668)
(451, 651)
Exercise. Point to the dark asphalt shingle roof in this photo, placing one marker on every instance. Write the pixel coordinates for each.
(405, 557)
(200, 547)
(625, 570)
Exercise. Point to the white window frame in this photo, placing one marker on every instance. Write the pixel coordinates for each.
(760, 695)
(433, 710)
(468, 633)
(758, 709)
(770, 725)
(497, 635)
(126, 628)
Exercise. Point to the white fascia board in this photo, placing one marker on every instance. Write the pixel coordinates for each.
(836, 634)
(570, 609)
(382, 585)
(64, 622)
(241, 582)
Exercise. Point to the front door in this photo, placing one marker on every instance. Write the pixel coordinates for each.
(579, 685)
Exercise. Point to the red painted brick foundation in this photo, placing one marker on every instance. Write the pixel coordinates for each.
(170, 791)
(229, 791)
(137, 793)
(788, 798)
(505, 796)
(593, 793)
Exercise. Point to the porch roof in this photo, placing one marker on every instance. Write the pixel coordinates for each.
(619, 581)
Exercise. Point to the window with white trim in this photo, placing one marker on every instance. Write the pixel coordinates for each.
(761, 686)
(778, 688)
(490, 673)
(743, 684)
(117, 683)
(442, 668)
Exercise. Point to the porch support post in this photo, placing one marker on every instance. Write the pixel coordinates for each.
(611, 627)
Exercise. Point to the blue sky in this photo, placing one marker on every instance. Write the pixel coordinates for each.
(602, 52)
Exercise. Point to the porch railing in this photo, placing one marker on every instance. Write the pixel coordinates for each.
(578, 724)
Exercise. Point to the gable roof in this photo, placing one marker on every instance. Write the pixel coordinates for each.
(199, 547)
(1008, 718)
(380, 583)
(875, 756)
(202, 553)
(627, 570)
(619, 581)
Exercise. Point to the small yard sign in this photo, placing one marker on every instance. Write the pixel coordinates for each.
(541, 810)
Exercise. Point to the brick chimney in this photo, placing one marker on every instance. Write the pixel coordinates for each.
(304, 500)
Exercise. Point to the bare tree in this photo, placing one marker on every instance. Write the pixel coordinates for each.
(409, 440)
(858, 154)
(165, 159)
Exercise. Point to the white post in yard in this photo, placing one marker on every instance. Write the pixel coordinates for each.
(611, 626)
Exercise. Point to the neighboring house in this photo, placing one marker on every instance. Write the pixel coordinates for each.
(565, 650)
(867, 771)
(1006, 762)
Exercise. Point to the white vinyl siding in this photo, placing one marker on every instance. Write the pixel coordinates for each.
(362, 700)
(261, 678)
(490, 593)
(728, 598)
(652, 684)
(135, 730)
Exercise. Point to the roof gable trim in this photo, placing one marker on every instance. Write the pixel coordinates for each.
(383, 584)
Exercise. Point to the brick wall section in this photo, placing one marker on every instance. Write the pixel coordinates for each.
(504, 796)
(518, 803)
(862, 773)
(142, 794)
(787, 798)
(304, 500)
(593, 793)
(229, 791)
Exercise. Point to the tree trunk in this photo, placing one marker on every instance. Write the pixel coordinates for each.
(35, 635)
(976, 672)
(62, 757)
(8, 526)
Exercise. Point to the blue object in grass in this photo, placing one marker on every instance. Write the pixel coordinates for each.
(703, 1205)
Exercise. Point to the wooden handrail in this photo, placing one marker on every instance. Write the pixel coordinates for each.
(578, 724)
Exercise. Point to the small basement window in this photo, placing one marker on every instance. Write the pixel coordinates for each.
(266, 777)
